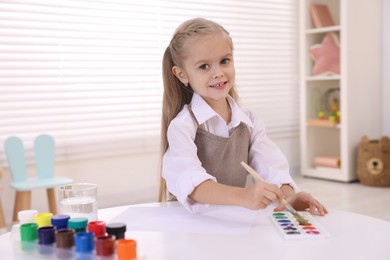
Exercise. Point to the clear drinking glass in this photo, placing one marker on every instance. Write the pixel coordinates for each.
(79, 200)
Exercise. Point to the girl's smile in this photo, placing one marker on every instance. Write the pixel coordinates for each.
(220, 85)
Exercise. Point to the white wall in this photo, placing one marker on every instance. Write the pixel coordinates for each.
(386, 68)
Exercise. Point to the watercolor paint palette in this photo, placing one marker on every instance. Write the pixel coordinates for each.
(290, 228)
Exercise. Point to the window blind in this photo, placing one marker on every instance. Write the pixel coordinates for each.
(88, 72)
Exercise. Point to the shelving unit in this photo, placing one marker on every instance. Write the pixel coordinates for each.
(357, 26)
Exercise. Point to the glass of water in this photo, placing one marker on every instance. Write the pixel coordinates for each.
(79, 200)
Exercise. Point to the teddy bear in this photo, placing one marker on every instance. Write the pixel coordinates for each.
(373, 165)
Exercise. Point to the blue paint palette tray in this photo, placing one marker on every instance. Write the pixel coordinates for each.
(291, 229)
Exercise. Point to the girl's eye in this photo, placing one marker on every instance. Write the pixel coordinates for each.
(203, 66)
(225, 61)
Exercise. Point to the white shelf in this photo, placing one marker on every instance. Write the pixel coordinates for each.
(333, 174)
(323, 78)
(335, 28)
(358, 83)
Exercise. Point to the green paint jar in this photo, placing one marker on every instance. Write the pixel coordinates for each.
(78, 224)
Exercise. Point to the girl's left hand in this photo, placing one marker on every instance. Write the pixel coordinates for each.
(302, 201)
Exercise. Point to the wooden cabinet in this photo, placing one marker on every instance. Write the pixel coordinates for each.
(356, 89)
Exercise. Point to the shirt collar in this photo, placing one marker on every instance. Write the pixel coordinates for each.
(201, 109)
(238, 115)
(203, 112)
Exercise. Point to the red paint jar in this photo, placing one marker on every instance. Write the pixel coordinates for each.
(105, 245)
(98, 228)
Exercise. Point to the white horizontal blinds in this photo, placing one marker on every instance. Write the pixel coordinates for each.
(89, 72)
(266, 64)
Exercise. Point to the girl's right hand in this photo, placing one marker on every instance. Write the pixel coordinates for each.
(261, 195)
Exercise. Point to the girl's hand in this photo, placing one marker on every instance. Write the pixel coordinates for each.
(260, 195)
(302, 201)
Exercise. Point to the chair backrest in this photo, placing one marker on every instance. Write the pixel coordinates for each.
(44, 147)
(14, 150)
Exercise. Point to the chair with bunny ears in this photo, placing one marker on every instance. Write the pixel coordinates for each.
(44, 148)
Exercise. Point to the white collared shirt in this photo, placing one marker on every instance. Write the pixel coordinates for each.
(182, 168)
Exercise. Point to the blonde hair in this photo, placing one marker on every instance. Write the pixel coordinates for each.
(176, 94)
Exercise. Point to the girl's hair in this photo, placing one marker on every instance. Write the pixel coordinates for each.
(176, 94)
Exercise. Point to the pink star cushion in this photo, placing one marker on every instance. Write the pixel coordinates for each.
(326, 56)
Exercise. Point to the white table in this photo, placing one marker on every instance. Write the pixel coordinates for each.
(352, 236)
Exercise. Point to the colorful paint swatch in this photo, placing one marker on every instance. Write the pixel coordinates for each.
(290, 228)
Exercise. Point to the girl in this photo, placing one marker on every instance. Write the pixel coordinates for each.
(205, 134)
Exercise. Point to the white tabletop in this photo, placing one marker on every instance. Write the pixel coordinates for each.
(352, 236)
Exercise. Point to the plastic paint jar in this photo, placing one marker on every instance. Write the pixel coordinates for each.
(105, 245)
(28, 235)
(65, 238)
(84, 243)
(46, 239)
(27, 216)
(65, 242)
(78, 224)
(98, 228)
(116, 229)
(43, 219)
(28, 232)
(46, 235)
(24, 216)
(60, 221)
(126, 249)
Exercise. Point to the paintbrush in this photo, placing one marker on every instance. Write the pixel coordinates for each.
(287, 205)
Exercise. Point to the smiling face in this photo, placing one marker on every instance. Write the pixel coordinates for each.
(208, 67)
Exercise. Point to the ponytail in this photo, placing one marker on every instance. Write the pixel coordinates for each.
(175, 96)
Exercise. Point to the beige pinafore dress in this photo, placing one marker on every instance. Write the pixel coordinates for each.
(221, 156)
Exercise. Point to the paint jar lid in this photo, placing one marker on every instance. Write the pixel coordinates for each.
(27, 216)
(116, 229)
(46, 235)
(28, 232)
(43, 219)
(84, 242)
(65, 238)
(98, 228)
(126, 249)
(60, 221)
(105, 245)
(77, 223)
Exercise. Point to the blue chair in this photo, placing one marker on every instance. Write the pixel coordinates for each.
(44, 148)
